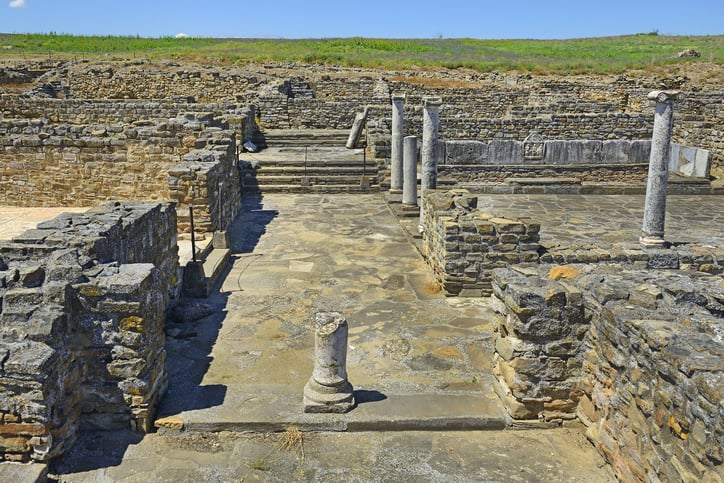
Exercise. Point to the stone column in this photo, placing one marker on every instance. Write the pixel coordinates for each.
(398, 133)
(409, 185)
(655, 207)
(328, 390)
(430, 121)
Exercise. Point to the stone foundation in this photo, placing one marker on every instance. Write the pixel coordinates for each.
(463, 246)
(83, 299)
(637, 357)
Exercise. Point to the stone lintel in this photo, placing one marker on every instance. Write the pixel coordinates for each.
(665, 96)
(396, 96)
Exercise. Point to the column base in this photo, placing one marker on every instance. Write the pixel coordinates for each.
(396, 191)
(328, 399)
(652, 241)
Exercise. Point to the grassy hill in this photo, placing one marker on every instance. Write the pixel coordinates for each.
(574, 56)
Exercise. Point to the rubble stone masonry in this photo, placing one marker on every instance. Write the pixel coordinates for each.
(637, 356)
(83, 299)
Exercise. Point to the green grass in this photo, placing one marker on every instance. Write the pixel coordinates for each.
(590, 55)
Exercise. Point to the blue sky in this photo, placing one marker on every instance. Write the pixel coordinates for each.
(538, 19)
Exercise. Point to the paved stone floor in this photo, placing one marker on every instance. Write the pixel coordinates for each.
(607, 219)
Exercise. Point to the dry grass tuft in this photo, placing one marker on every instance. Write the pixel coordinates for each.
(292, 440)
(432, 287)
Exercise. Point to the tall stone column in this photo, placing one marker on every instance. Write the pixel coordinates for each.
(655, 207)
(430, 122)
(328, 390)
(409, 185)
(398, 133)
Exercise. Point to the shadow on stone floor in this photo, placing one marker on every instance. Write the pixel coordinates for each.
(94, 450)
(189, 348)
(248, 228)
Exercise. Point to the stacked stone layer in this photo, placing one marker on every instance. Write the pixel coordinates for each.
(83, 301)
(637, 357)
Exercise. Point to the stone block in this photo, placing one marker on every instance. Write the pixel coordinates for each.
(502, 152)
(465, 152)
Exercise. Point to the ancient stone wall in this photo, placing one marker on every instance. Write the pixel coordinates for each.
(538, 356)
(45, 164)
(154, 81)
(82, 306)
(481, 107)
(106, 112)
(463, 246)
(636, 356)
(208, 179)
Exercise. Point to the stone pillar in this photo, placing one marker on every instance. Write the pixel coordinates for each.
(655, 207)
(328, 390)
(430, 121)
(398, 133)
(409, 185)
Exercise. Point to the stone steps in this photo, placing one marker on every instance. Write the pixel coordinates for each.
(311, 180)
(315, 170)
(320, 188)
(301, 137)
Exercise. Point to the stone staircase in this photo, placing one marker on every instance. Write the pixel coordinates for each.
(307, 161)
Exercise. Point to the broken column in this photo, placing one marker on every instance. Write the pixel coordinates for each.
(328, 390)
(358, 125)
(398, 133)
(409, 184)
(655, 207)
(430, 121)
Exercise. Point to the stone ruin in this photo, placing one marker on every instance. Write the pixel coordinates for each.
(83, 300)
(626, 340)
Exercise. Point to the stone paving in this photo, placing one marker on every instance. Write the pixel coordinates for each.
(610, 219)
(415, 357)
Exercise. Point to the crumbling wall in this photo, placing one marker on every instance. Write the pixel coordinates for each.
(538, 356)
(636, 355)
(82, 305)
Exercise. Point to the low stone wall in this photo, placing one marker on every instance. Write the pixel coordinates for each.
(638, 358)
(463, 246)
(538, 356)
(539, 154)
(83, 301)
